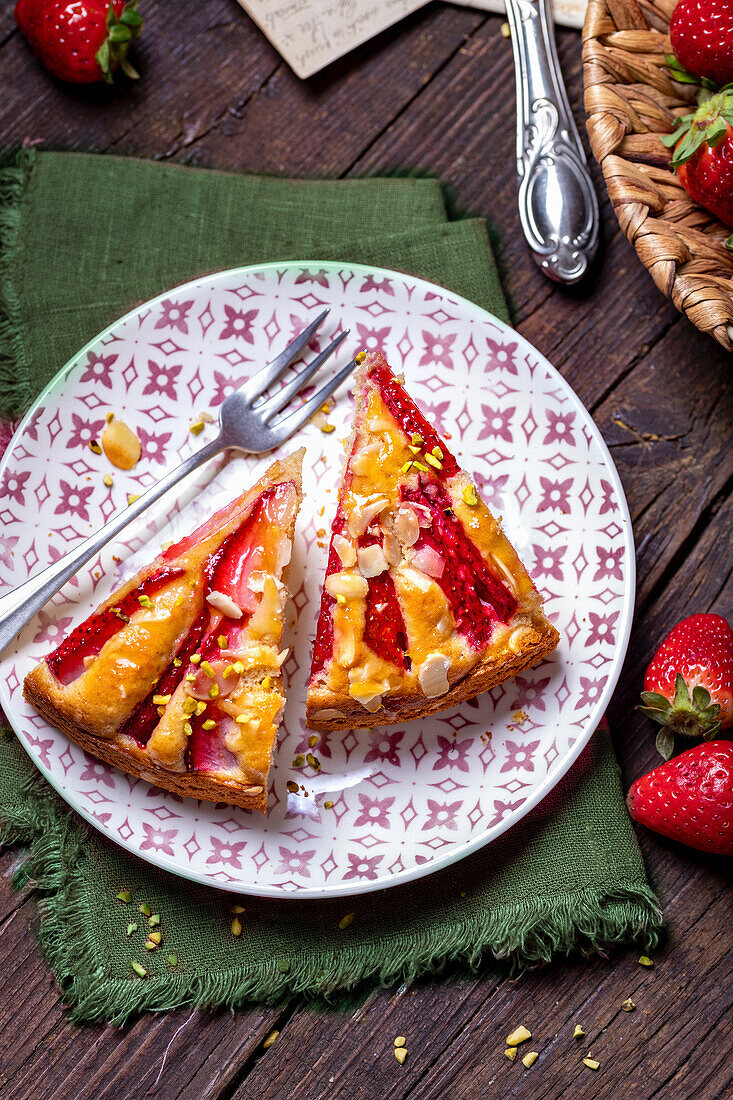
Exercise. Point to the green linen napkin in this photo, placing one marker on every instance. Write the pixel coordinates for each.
(82, 239)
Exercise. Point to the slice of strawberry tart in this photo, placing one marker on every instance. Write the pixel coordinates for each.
(176, 678)
(425, 601)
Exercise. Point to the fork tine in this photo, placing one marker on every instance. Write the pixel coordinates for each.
(259, 382)
(267, 409)
(294, 420)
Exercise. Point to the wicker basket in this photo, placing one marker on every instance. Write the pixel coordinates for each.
(631, 100)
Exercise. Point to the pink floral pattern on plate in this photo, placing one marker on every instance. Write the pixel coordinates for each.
(406, 800)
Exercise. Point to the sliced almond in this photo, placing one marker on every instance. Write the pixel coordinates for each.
(363, 513)
(121, 445)
(433, 677)
(371, 560)
(348, 584)
(327, 713)
(407, 526)
(225, 604)
(345, 551)
(505, 572)
(429, 562)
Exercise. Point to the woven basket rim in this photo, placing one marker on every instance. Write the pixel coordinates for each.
(630, 101)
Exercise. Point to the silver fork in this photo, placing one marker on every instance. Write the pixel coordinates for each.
(246, 423)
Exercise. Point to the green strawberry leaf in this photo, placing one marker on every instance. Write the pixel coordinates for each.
(665, 743)
(729, 243)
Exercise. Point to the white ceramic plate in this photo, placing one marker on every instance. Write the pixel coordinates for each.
(407, 799)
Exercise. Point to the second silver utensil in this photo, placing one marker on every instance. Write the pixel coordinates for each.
(558, 208)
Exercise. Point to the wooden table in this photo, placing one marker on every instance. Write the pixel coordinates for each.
(435, 92)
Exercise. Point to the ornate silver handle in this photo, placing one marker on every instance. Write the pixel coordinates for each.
(558, 208)
(22, 603)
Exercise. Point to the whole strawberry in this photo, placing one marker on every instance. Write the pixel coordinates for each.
(689, 683)
(690, 798)
(703, 155)
(702, 38)
(81, 41)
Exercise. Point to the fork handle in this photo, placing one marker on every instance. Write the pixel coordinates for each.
(20, 605)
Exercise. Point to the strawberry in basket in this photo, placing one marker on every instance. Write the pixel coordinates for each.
(703, 153)
(701, 32)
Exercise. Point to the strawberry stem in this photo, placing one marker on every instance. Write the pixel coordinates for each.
(121, 33)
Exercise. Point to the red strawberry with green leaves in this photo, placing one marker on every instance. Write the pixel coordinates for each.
(703, 155)
(82, 41)
(689, 683)
(701, 32)
(690, 798)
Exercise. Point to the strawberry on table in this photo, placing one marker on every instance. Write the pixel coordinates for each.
(703, 155)
(701, 32)
(690, 798)
(689, 683)
(82, 41)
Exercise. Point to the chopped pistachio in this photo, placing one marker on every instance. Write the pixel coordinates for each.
(207, 669)
(628, 1005)
(145, 909)
(578, 1033)
(406, 467)
(236, 927)
(346, 921)
(417, 439)
(400, 1041)
(270, 1040)
(313, 740)
(591, 1063)
(228, 671)
(299, 761)
(189, 705)
(200, 708)
(150, 945)
(340, 599)
(108, 480)
(145, 601)
(125, 895)
(236, 909)
(519, 1035)
(131, 928)
(110, 417)
(267, 683)
(138, 968)
(328, 805)
(360, 357)
(328, 428)
(187, 729)
(433, 461)
(195, 658)
(161, 711)
(530, 1058)
(155, 937)
(511, 1053)
(177, 662)
(132, 497)
(208, 724)
(644, 960)
(437, 452)
(190, 677)
(213, 691)
(313, 761)
(173, 960)
(94, 446)
(153, 919)
(292, 786)
(197, 427)
(470, 496)
(222, 641)
(161, 700)
(421, 467)
(414, 450)
(400, 1054)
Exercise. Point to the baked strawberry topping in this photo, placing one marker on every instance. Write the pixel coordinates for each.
(145, 717)
(67, 661)
(477, 598)
(323, 644)
(408, 416)
(384, 628)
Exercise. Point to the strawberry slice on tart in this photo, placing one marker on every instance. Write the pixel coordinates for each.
(176, 677)
(425, 602)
